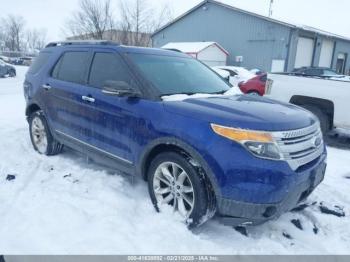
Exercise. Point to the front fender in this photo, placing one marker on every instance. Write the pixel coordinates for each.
(193, 153)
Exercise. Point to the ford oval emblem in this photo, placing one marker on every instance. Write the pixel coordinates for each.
(316, 142)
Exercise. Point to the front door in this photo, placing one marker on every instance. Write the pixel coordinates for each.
(112, 117)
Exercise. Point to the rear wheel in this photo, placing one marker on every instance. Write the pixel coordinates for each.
(322, 117)
(173, 181)
(41, 137)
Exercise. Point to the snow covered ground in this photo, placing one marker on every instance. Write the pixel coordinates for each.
(64, 205)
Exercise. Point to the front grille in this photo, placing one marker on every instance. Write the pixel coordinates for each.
(300, 147)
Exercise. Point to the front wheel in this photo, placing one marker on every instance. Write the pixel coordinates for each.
(324, 119)
(41, 137)
(173, 181)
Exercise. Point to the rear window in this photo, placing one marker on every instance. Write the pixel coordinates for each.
(71, 67)
(39, 62)
(263, 78)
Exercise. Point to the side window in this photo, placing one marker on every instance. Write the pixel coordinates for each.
(54, 73)
(263, 78)
(71, 67)
(313, 72)
(108, 66)
(39, 62)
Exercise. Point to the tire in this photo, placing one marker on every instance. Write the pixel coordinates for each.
(324, 119)
(197, 214)
(253, 93)
(41, 137)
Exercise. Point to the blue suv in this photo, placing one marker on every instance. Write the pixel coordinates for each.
(242, 158)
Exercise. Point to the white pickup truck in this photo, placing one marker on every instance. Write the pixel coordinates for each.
(328, 99)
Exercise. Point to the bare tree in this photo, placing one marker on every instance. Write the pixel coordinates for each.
(13, 27)
(92, 20)
(2, 38)
(164, 16)
(139, 19)
(36, 39)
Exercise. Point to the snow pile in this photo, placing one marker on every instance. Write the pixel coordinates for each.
(341, 78)
(180, 97)
(64, 205)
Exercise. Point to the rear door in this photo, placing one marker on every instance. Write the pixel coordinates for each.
(65, 87)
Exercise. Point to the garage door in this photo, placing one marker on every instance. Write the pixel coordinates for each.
(326, 53)
(305, 51)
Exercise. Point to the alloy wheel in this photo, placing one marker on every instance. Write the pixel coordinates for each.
(172, 186)
(39, 135)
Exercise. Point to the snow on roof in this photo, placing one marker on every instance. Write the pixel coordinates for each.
(321, 32)
(192, 47)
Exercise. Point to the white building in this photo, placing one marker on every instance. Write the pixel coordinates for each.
(210, 53)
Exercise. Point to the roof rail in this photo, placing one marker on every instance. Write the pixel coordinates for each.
(82, 42)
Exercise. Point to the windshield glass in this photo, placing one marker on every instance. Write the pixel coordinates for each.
(179, 75)
(330, 73)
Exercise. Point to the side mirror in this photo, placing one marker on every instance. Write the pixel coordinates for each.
(119, 88)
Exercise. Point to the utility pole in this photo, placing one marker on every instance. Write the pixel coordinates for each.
(270, 9)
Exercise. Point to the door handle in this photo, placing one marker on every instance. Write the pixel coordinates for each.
(46, 86)
(88, 99)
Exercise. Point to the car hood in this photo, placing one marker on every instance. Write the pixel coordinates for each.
(243, 111)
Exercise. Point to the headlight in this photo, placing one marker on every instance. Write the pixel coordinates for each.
(265, 150)
(261, 144)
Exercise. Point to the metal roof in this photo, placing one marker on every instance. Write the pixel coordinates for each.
(288, 24)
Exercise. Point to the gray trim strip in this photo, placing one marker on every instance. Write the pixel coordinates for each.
(93, 147)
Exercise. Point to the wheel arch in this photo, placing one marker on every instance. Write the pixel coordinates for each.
(171, 144)
(327, 106)
(32, 108)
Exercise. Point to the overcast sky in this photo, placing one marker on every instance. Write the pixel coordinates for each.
(329, 15)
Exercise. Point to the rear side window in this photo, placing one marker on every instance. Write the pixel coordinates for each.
(108, 66)
(39, 62)
(313, 72)
(71, 67)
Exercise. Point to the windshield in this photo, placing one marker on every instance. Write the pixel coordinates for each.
(329, 73)
(179, 75)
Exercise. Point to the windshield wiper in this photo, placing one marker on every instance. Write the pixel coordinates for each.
(181, 93)
(219, 92)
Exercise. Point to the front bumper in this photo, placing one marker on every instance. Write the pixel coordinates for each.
(236, 213)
